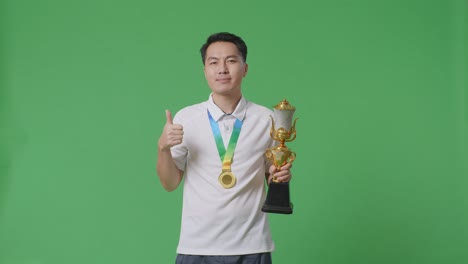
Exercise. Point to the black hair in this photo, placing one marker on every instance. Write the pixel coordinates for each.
(225, 37)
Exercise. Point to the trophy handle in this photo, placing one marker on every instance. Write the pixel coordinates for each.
(273, 130)
(292, 157)
(293, 128)
(268, 154)
(291, 139)
(292, 131)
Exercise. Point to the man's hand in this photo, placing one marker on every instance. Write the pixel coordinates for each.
(172, 134)
(283, 175)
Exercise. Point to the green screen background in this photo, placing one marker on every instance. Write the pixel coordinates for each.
(381, 94)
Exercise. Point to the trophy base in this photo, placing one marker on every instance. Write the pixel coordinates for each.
(277, 200)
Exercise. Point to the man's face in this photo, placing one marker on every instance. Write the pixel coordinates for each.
(224, 68)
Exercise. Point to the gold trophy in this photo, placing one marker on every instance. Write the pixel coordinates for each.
(278, 200)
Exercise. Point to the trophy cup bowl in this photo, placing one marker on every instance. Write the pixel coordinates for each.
(278, 198)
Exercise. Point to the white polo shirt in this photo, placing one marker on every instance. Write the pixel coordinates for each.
(215, 220)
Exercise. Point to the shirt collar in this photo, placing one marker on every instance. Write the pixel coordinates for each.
(217, 113)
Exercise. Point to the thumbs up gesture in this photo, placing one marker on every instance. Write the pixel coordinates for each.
(172, 134)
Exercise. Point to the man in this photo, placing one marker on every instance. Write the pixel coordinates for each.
(219, 146)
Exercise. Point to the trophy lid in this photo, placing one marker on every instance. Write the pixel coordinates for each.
(284, 105)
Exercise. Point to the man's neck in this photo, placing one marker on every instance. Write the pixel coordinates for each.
(227, 103)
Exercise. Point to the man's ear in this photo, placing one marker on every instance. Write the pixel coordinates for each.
(246, 69)
(204, 70)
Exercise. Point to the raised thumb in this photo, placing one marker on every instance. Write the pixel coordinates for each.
(168, 117)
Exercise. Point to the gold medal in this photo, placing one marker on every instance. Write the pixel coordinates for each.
(227, 179)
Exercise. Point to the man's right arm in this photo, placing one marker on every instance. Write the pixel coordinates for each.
(169, 175)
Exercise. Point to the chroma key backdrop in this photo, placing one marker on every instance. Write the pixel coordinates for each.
(380, 89)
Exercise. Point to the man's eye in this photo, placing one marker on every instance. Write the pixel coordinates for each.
(213, 63)
(232, 61)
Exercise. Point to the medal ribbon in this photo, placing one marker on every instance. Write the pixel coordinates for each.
(225, 155)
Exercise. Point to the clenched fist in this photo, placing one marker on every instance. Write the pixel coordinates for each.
(172, 134)
(281, 175)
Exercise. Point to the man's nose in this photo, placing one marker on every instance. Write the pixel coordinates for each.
(223, 68)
